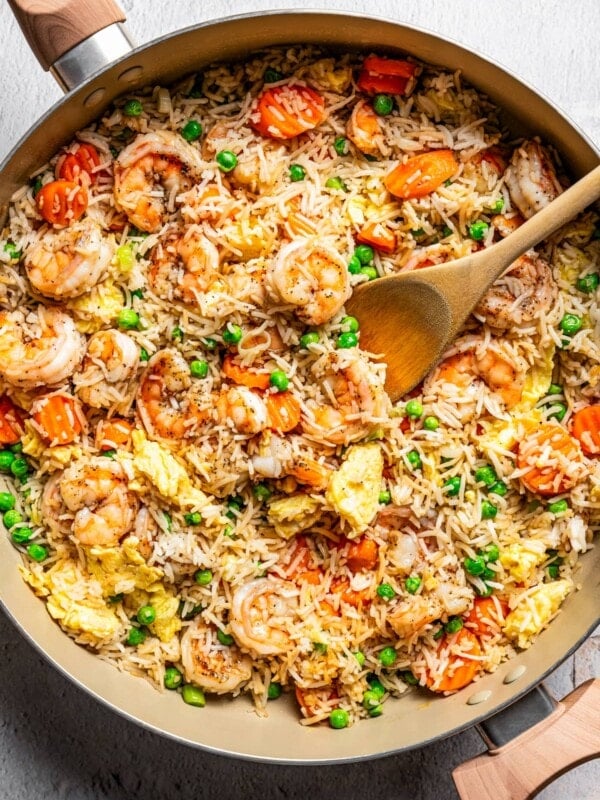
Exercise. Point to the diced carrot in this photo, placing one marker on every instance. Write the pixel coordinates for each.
(483, 619)
(310, 472)
(553, 460)
(353, 597)
(457, 674)
(114, 433)
(78, 166)
(421, 174)
(309, 699)
(387, 75)
(11, 422)
(286, 111)
(378, 236)
(283, 411)
(57, 418)
(312, 576)
(244, 376)
(362, 554)
(61, 202)
(586, 429)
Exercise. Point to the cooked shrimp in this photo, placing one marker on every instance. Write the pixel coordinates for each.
(521, 295)
(492, 368)
(358, 397)
(260, 612)
(365, 131)
(52, 508)
(311, 276)
(150, 172)
(409, 617)
(531, 178)
(210, 202)
(210, 665)
(506, 225)
(110, 362)
(167, 400)
(184, 268)
(245, 408)
(40, 349)
(95, 490)
(277, 457)
(146, 530)
(70, 262)
(485, 168)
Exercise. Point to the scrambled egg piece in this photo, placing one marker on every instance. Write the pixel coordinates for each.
(97, 308)
(354, 488)
(504, 435)
(521, 558)
(248, 238)
(537, 381)
(122, 569)
(290, 515)
(165, 472)
(76, 601)
(323, 74)
(535, 611)
(33, 444)
(166, 605)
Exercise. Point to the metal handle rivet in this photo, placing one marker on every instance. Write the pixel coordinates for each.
(132, 74)
(515, 674)
(95, 97)
(479, 697)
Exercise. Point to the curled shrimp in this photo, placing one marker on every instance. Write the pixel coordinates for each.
(167, 401)
(365, 131)
(521, 295)
(260, 612)
(95, 492)
(40, 349)
(207, 663)
(109, 363)
(184, 268)
(70, 262)
(245, 408)
(495, 370)
(485, 168)
(150, 172)
(311, 276)
(531, 178)
(357, 395)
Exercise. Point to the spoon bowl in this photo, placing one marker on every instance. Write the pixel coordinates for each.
(411, 318)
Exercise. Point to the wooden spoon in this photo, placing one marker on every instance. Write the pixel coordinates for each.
(411, 318)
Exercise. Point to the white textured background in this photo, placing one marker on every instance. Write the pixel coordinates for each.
(57, 743)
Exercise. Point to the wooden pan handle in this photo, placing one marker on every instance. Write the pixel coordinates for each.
(52, 27)
(521, 768)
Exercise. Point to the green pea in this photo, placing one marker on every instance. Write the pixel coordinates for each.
(554, 388)
(6, 459)
(336, 183)
(173, 678)
(203, 577)
(199, 369)
(22, 534)
(19, 467)
(272, 75)
(177, 334)
(412, 584)
(360, 657)
(417, 233)
(11, 518)
(193, 695)
(320, 647)
(385, 591)
(489, 574)
(375, 685)
(498, 205)
(146, 615)
(451, 487)
(446, 231)
(499, 488)
(236, 502)
(478, 229)
(12, 250)
(370, 699)
(17, 447)
(383, 104)
(210, 344)
(274, 691)
(226, 160)
(128, 319)
(570, 324)
(414, 459)
(354, 266)
(557, 411)
(136, 636)
(297, 173)
(7, 501)
(339, 718)
(588, 283)
(385, 497)
(387, 657)
(228, 530)
(491, 553)
(414, 409)
(192, 130)
(262, 492)
(232, 334)
(431, 423)
(365, 254)
(438, 634)
(133, 108)
(37, 552)
(488, 510)
(340, 145)
(453, 625)
(144, 355)
(474, 566)
(193, 518)
(486, 475)
(350, 324)
(346, 340)
(558, 507)
(553, 571)
(370, 272)
(279, 380)
(139, 293)
(224, 638)
(312, 337)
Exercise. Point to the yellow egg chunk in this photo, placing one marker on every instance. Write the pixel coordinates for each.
(521, 558)
(535, 611)
(353, 490)
(97, 308)
(166, 605)
(122, 569)
(290, 515)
